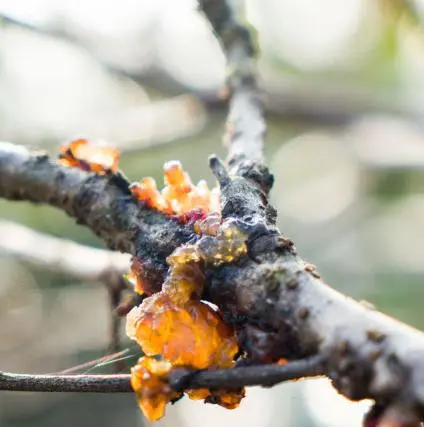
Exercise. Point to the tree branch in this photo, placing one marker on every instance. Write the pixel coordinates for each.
(63, 256)
(245, 125)
(245, 198)
(65, 383)
(180, 378)
(72, 259)
(289, 103)
(279, 305)
(277, 300)
(243, 376)
(102, 203)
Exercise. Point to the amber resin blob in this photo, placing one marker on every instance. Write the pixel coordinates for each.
(83, 154)
(175, 324)
(173, 327)
(179, 196)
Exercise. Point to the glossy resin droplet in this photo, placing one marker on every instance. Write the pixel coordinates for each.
(175, 324)
(149, 382)
(179, 197)
(83, 154)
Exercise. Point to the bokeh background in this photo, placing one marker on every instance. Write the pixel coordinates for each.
(344, 83)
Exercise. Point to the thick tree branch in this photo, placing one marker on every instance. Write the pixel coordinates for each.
(179, 379)
(279, 304)
(102, 203)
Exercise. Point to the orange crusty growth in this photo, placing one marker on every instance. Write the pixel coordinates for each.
(175, 324)
(90, 157)
(134, 277)
(149, 380)
(190, 334)
(179, 196)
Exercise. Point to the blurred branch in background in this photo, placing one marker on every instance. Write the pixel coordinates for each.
(63, 256)
(145, 126)
(64, 32)
(292, 99)
(72, 259)
(101, 106)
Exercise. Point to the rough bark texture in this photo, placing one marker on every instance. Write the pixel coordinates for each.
(368, 353)
(102, 203)
(245, 125)
(66, 383)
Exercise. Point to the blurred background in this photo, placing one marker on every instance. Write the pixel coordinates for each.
(345, 101)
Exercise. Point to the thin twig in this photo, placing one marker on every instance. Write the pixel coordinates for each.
(83, 367)
(245, 198)
(243, 376)
(115, 297)
(66, 383)
(180, 378)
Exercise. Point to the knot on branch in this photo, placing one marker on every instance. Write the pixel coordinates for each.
(244, 191)
(347, 375)
(255, 172)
